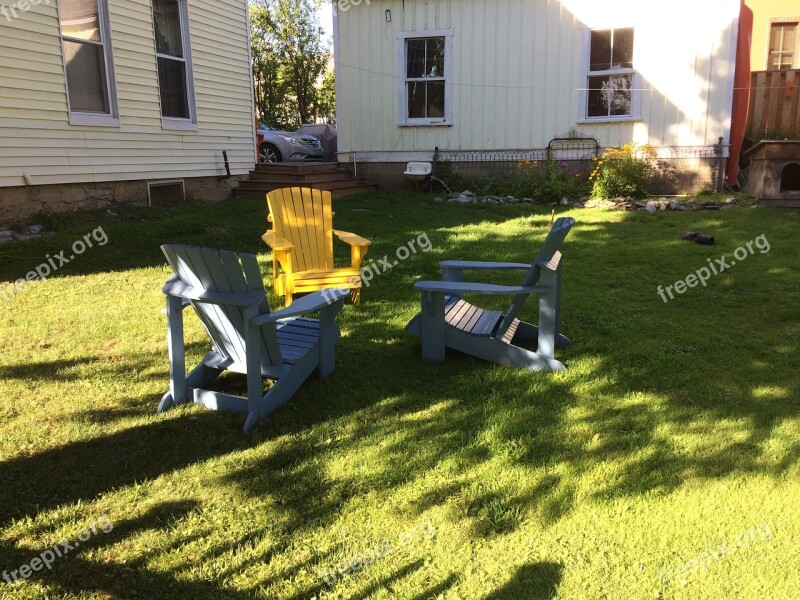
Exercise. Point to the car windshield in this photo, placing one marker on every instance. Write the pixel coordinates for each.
(267, 127)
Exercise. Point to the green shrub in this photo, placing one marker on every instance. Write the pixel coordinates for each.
(547, 181)
(623, 171)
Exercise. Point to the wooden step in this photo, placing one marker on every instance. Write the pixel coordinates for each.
(300, 178)
(331, 177)
(335, 193)
(325, 184)
(295, 168)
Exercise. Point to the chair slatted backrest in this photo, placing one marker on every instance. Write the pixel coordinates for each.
(547, 251)
(227, 272)
(304, 217)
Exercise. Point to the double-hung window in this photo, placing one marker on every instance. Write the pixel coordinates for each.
(85, 39)
(610, 79)
(782, 46)
(426, 78)
(170, 20)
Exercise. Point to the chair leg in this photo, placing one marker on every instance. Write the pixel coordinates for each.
(432, 326)
(355, 295)
(253, 350)
(328, 336)
(177, 355)
(548, 326)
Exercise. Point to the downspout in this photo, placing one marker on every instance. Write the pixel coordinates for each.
(252, 80)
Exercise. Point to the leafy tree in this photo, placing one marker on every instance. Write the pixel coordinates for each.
(326, 97)
(289, 59)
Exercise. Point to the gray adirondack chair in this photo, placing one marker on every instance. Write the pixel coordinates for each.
(227, 293)
(447, 320)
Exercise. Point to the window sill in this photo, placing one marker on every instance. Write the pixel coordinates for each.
(178, 124)
(94, 120)
(590, 120)
(425, 124)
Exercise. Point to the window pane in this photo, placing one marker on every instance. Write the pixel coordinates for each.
(172, 84)
(610, 95)
(600, 54)
(415, 50)
(416, 99)
(435, 100)
(167, 18)
(80, 19)
(434, 63)
(623, 49)
(86, 79)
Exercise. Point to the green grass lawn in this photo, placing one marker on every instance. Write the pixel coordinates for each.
(667, 453)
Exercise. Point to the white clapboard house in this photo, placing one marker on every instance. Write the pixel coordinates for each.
(122, 100)
(479, 75)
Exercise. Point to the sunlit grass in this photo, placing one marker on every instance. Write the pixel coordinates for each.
(676, 426)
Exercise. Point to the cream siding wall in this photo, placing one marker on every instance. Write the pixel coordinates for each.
(517, 71)
(37, 139)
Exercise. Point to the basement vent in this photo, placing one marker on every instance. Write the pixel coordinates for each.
(161, 193)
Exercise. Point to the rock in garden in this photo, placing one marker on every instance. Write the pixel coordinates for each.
(564, 202)
(467, 193)
(651, 207)
(437, 199)
(34, 229)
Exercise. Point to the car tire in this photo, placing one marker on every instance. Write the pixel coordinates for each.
(269, 154)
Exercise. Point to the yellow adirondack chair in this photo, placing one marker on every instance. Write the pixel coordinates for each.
(301, 239)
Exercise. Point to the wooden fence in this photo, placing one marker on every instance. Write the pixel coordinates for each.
(774, 101)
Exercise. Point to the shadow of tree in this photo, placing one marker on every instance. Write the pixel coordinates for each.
(644, 367)
(538, 581)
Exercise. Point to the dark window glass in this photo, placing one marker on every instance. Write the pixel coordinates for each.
(167, 18)
(86, 79)
(610, 95)
(172, 83)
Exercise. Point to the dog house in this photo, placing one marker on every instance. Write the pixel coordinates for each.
(775, 172)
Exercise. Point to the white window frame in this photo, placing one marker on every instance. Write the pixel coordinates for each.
(402, 51)
(583, 87)
(190, 123)
(106, 119)
(796, 51)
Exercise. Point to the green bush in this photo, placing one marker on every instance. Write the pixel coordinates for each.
(548, 181)
(623, 171)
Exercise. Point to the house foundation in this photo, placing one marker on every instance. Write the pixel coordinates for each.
(21, 203)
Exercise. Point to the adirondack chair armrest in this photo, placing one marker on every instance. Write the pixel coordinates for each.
(460, 287)
(178, 288)
(552, 264)
(351, 238)
(276, 242)
(482, 265)
(307, 304)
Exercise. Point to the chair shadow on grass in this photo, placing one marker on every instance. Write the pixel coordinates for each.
(521, 423)
(74, 574)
